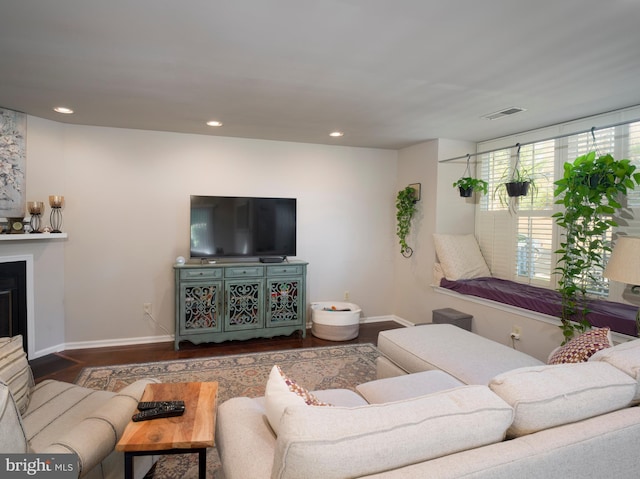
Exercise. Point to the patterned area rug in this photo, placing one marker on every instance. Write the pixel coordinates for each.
(342, 366)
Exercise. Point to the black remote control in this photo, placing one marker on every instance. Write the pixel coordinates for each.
(164, 411)
(143, 406)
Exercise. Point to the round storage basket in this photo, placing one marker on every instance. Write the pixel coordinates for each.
(335, 321)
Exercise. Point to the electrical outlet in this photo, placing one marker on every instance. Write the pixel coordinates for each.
(147, 308)
(346, 295)
(516, 332)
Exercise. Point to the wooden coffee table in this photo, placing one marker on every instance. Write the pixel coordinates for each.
(192, 432)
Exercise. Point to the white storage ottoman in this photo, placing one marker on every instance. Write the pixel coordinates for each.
(335, 321)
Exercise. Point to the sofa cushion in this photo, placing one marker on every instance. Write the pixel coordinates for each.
(460, 256)
(548, 396)
(582, 347)
(338, 442)
(466, 356)
(407, 386)
(15, 370)
(282, 392)
(625, 357)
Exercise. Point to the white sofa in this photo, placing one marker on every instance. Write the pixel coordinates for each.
(55, 417)
(528, 421)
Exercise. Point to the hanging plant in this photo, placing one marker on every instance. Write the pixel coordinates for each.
(590, 192)
(468, 185)
(405, 209)
(515, 183)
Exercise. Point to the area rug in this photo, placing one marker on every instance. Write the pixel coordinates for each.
(341, 366)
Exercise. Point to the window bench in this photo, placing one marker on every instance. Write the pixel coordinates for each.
(617, 316)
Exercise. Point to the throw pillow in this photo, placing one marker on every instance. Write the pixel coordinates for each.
(15, 371)
(460, 257)
(282, 392)
(581, 348)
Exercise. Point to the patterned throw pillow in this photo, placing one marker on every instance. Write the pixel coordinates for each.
(581, 348)
(282, 392)
(15, 371)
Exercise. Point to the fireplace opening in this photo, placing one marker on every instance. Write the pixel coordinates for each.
(13, 299)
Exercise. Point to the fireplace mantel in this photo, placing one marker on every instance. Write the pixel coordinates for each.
(32, 237)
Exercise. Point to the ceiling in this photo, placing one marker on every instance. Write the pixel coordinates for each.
(389, 73)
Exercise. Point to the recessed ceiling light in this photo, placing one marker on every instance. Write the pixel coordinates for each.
(214, 123)
(336, 134)
(63, 109)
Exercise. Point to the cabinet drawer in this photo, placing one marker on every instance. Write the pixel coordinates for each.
(243, 272)
(283, 269)
(201, 273)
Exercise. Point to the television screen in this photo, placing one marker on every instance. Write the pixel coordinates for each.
(233, 226)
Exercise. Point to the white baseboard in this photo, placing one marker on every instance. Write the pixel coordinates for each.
(107, 343)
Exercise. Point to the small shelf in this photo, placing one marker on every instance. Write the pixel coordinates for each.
(32, 237)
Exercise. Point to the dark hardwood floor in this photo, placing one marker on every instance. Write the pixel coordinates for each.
(66, 365)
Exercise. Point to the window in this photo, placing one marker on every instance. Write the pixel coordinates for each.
(519, 238)
(517, 233)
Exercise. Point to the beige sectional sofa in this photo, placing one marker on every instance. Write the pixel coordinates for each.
(54, 417)
(473, 409)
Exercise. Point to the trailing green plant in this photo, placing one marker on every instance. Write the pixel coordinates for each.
(473, 184)
(590, 192)
(405, 209)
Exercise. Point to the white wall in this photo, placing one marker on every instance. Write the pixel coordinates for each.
(440, 205)
(127, 216)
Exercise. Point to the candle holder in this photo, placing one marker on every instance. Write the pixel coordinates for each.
(36, 208)
(55, 218)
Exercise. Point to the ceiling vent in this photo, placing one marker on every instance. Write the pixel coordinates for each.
(502, 113)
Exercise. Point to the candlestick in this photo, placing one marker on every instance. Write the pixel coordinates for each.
(55, 218)
(36, 208)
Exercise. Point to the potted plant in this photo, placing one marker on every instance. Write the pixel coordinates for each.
(515, 183)
(405, 209)
(468, 185)
(590, 192)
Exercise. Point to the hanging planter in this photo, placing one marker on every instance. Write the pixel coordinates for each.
(590, 192)
(517, 188)
(467, 185)
(405, 209)
(516, 183)
(465, 192)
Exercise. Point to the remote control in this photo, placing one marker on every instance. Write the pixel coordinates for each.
(164, 411)
(143, 406)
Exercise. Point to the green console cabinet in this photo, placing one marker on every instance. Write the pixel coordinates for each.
(217, 302)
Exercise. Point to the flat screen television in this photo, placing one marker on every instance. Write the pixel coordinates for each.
(242, 227)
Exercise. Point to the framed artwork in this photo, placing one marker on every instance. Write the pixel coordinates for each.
(417, 187)
(13, 131)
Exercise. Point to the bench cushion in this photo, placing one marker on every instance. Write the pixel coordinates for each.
(466, 356)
